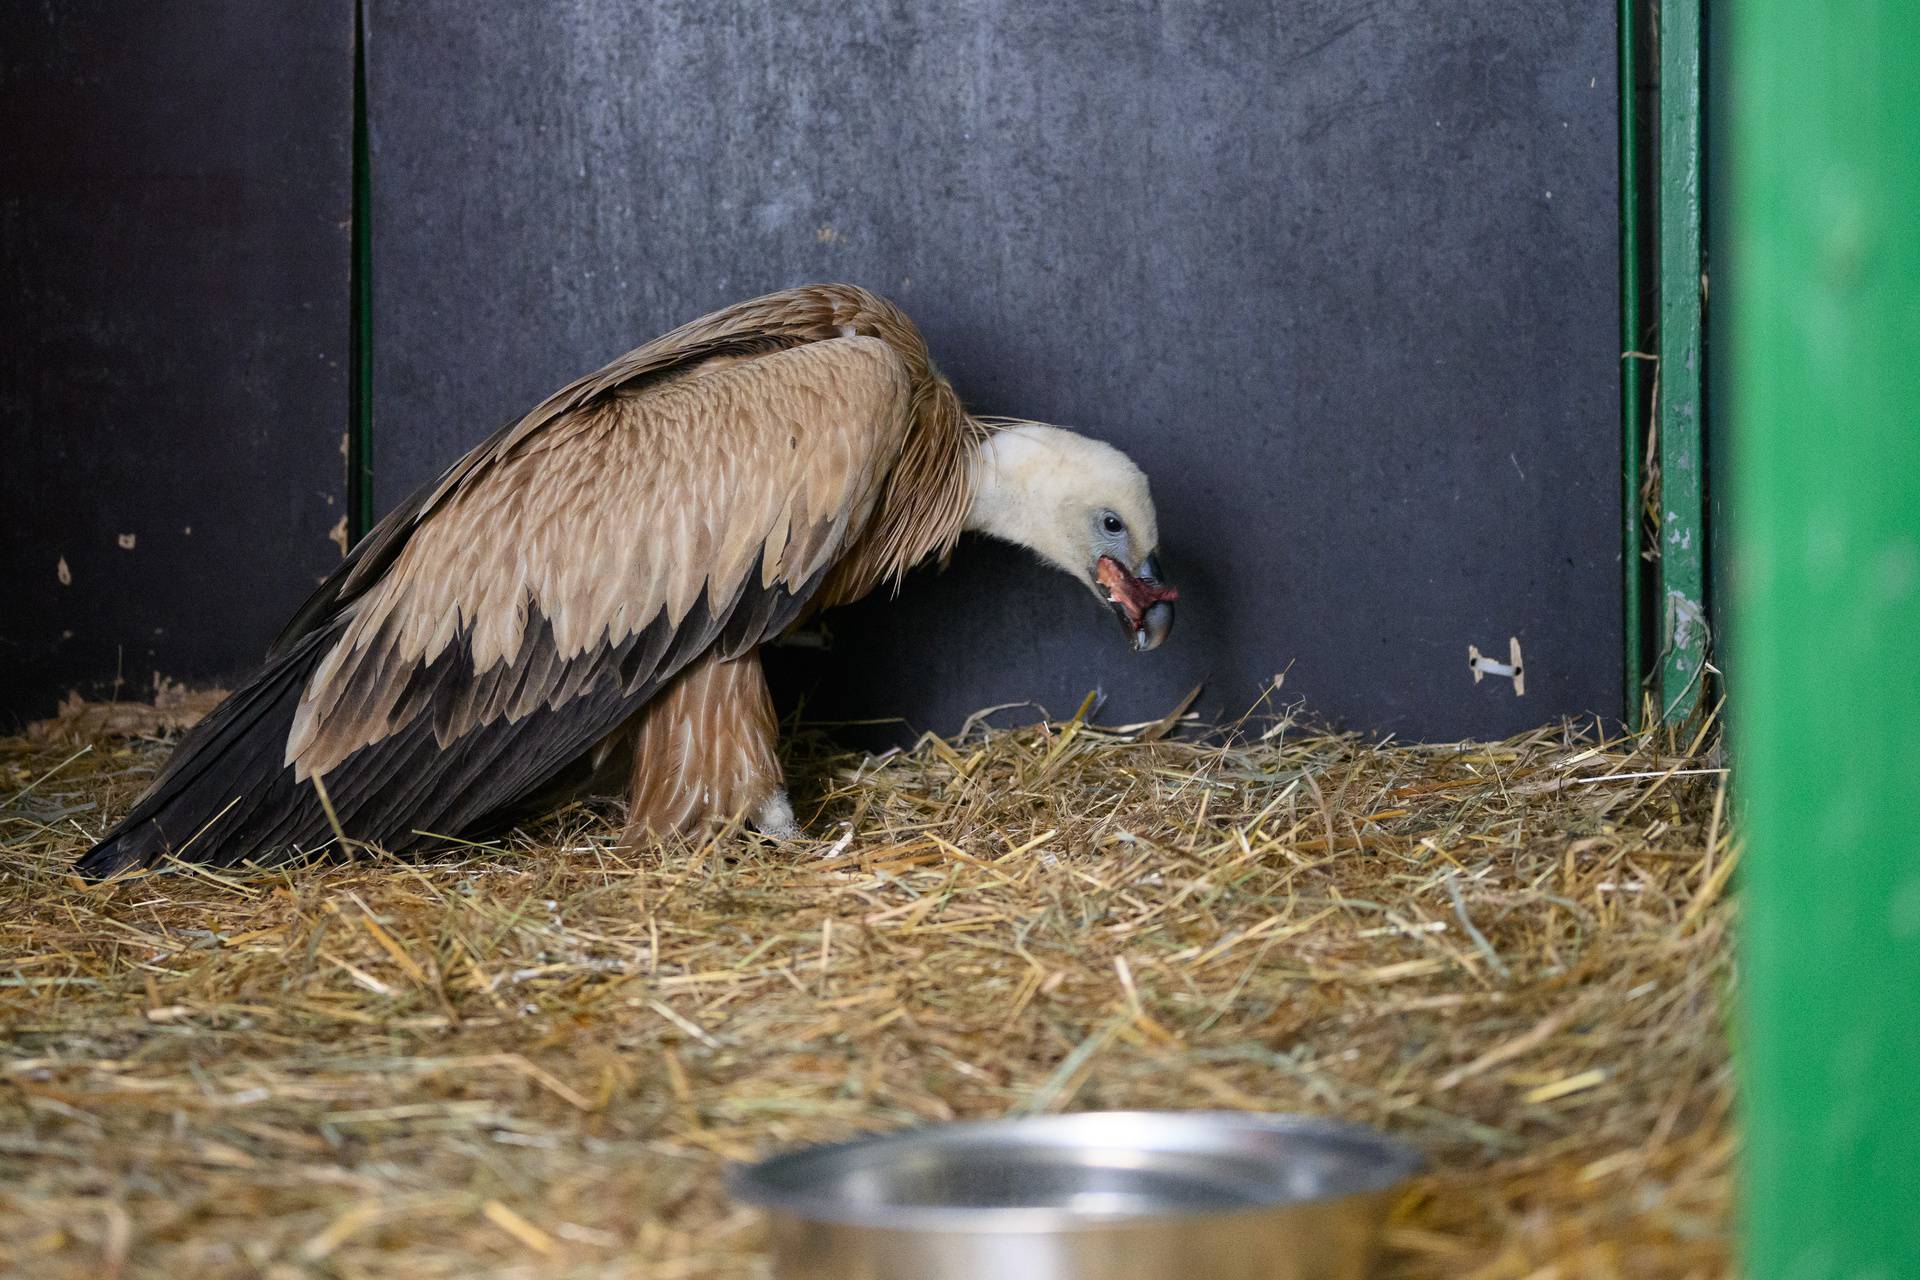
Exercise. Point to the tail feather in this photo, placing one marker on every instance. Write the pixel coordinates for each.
(227, 781)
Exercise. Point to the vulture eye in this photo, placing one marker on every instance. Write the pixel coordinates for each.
(1111, 523)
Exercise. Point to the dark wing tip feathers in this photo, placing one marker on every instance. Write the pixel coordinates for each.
(227, 795)
(225, 779)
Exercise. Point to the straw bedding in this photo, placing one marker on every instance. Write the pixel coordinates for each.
(536, 1059)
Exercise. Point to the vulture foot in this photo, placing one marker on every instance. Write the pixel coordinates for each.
(775, 818)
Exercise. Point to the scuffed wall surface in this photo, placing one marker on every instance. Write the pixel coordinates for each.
(173, 294)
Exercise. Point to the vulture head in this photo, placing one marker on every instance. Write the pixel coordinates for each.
(1083, 507)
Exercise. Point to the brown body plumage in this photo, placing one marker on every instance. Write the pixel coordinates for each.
(584, 593)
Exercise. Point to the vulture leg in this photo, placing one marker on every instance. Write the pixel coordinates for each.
(703, 750)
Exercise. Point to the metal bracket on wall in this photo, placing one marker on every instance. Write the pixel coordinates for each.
(1514, 668)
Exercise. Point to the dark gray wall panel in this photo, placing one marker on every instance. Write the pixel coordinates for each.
(173, 293)
(1340, 275)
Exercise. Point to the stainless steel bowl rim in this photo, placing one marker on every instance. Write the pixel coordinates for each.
(1392, 1161)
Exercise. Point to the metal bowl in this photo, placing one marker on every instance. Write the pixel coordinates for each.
(1192, 1195)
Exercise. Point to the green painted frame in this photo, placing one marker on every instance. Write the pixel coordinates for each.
(1825, 398)
(1685, 637)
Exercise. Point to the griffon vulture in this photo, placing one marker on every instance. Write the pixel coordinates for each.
(579, 601)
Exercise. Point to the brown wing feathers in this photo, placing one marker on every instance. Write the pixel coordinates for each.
(639, 506)
(517, 612)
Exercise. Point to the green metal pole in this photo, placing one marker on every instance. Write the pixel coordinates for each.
(1630, 421)
(1826, 512)
(1683, 613)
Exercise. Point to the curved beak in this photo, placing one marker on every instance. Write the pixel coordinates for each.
(1140, 599)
